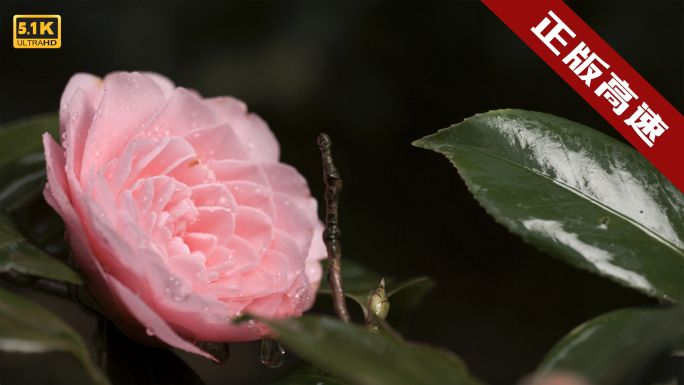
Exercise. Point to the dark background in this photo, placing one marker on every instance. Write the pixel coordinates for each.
(377, 76)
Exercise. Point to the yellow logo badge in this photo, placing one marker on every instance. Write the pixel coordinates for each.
(37, 31)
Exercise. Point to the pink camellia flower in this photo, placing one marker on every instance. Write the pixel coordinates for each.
(179, 212)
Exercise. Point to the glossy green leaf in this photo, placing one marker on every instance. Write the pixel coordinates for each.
(615, 348)
(364, 357)
(359, 283)
(305, 374)
(29, 328)
(18, 254)
(575, 193)
(22, 161)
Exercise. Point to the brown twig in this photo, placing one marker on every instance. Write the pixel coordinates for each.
(331, 235)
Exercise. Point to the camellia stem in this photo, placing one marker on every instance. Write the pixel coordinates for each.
(331, 235)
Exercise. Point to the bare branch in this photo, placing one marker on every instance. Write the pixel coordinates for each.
(331, 235)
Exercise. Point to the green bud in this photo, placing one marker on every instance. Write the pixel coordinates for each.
(378, 304)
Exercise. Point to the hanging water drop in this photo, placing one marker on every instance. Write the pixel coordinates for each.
(270, 353)
(149, 332)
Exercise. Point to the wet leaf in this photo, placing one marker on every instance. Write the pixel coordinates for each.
(18, 254)
(29, 328)
(575, 193)
(305, 374)
(617, 347)
(22, 161)
(364, 357)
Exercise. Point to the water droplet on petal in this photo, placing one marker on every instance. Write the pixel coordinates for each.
(97, 153)
(270, 353)
(74, 116)
(149, 332)
(64, 136)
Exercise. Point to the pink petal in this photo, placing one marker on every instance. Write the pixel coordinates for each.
(265, 306)
(129, 101)
(204, 243)
(215, 220)
(246, 258)
(214, 194)
(221, 260)
(277, 264)
(177, 246)
(79, 118)
(102, 195)
(255, 227)
(252, 195)
(55, 162)
(112, 250)
(192, 172)
(216, 143)
(91, 85)
(253, 132)
(131, 155)
(231, 170)
(286, 180)
(182, 113)
(191, 268)
(164, 83)
(285, 244)
(169, 153)
(151, 320)
(258, 283)
(225, 287)
(293, 220)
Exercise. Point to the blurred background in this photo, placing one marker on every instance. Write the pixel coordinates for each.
(375, 76)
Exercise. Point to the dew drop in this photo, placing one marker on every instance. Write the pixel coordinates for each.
(64, 136)
(149, 332)
(270, 353)
(74, 116)
(97, 153)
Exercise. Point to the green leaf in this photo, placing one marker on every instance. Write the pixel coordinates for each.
(359, 283)
(29, 328)
(364, 357)
(615, 347)
(22, 161)
(129, 362)
(575, 193)
(305, 374)
(18, 254)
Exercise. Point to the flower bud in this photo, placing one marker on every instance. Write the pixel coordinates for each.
(378, 304)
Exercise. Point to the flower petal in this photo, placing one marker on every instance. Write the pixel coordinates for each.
(216, 143)
(254, 133)
(217, 221)
(231, 170)
(91, 85)
(255, 227)
(79, 117)
(129, 101)
(183, 112)
(151, 320)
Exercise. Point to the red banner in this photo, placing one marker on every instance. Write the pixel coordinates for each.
(601, 77)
